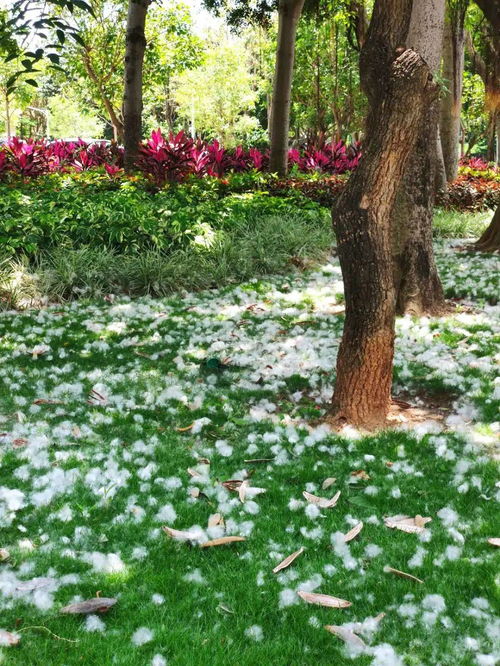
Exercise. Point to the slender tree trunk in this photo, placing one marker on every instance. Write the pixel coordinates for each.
(7, 116)
(116, 121)
(399, 89)
(135, 46)
(491, 136)
(490, 240)
(417, 281)
(288, 15)
(451, 102)
(440, 183)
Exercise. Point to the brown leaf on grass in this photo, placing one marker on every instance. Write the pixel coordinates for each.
(324, 600)
(8, 639)
(242, 490)
(194, 492)
(34, 584)
(352, 534)
(4, 554)
(328, 482)
(179, 535)
(185, 429)
(494, 541)
(19, 442)
(232, 484)
(192, 472)
(258, 460)
(361, 474)
(406, 524)
(223, 541)
(345, 634)
(402, 574)
(215, 519)
(47, 401)
(322, 502)
(288, 560)
(97, 605)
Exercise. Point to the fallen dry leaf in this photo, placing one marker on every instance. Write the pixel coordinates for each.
(192, 472)
(345, 634)
(232, 484)
(324, 600)
(97, 605)
(322, 502)
(407, 524)
(19, 442)
(242, 490)
(328, 482)
(215, 519)
(34, 584)
(47, 401)
(180, 535)
(494, 541)
(288, 560)
(258, 460)
(194, 492)
(352, 534)
(8, 639)
(185, 429)
(402, 574)
(222, 541)
(361, 474)
(4, 554)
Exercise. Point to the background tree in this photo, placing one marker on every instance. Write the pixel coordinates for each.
(453, 71)
(217, 98)
(135, 46)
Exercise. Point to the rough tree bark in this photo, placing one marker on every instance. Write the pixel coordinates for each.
(135, 45)
(419, 289)
(289, 12)
(453, 70)
(490, 240)
(399, 89)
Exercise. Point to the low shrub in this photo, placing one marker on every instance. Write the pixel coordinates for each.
(60, 210)
(253, 246)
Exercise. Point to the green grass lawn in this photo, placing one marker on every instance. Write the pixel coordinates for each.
(140, 432)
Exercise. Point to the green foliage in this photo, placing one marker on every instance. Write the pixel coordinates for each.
(91, 210)
(218, 97)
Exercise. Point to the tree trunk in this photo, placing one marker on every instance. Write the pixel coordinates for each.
(288, 15)
(419, 289)
(490, 240)
(7, 116)
(362, 220)
(115, 120)
(135, 45)
(451, 102)
(491, 136)
(440, 183)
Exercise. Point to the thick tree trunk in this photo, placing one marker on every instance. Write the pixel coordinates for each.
(417, 281)
(451, 102)
(288, 16)
(490, 240)
(362, 220)
(135, 45)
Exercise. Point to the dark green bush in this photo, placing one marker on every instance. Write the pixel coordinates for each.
(68, 211)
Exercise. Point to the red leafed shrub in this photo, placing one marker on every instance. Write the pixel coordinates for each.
(169, 158)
